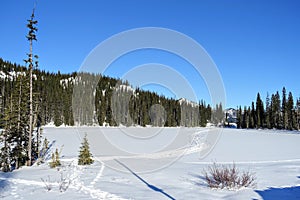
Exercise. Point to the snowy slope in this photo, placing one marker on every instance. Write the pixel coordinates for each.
(116, 174)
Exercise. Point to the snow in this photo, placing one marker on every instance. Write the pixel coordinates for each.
(68, 81)
(125, 88)
(188, 102)
(159, 163)
(11, 75)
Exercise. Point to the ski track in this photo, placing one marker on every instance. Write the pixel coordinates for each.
(14, 191)
(94, 193)
(76, 183)
(196, 145)
(99, 174)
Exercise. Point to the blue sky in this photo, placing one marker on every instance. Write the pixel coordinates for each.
(255, 44)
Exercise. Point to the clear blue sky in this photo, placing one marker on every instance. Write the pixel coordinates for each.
(255, 44)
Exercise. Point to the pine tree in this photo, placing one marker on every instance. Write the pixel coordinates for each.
(5, 160)
(203, 113)
(218, 114)
(298, 114)
(268, 112)
(259, 112)
(85, 156)
(284, 109)
(253, 118)
(31, 36)
(55, 159)
(239, 118)
(276, 113)
(245, 120)
(290, 111)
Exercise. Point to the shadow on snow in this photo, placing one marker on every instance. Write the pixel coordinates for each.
(290, 193)
(4, 182)
(152, 187)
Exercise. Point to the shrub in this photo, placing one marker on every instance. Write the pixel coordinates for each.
(47, 183)
(221, 176)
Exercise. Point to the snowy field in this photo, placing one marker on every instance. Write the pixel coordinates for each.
(159, 163)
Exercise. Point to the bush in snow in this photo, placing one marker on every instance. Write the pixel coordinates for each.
(55, 159)
(47, 183)
(64, 183)
(221, 176)
(85, 156)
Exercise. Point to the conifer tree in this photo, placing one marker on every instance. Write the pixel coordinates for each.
(245, 121)
(290, 111)
(55, 159)
(250, 120)
(298, 114)
(31, 36)
(284, 109)
(268, 112)
(203, 113)
(253, 118)
(276, 113)
(85, 156)
(5, 153)
(259, 111)
(239, 118)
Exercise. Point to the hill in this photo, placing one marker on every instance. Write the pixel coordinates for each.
(93, 99)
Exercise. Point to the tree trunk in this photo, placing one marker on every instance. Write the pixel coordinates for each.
(30, 106)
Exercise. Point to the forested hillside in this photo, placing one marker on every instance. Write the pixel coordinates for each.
(91, 99)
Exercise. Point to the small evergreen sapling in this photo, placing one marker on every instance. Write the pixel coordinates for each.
(85, 156)
(55, 160)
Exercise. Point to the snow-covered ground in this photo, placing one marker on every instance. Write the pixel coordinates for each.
(159, 163)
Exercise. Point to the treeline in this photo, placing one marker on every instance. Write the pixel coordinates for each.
(52, 102)
(278, 112)
(91, 99)
(113, 102)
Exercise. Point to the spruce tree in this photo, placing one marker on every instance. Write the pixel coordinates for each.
(5, 160)
(268, 112)
(245, 118)
(249, 118)
(290, 111)
(259, 111)
(253, 118)
(276, 111)
(55, 159)
(85, 156)
(239, 118)
(31, 36)
(284, 109)
(298, 114)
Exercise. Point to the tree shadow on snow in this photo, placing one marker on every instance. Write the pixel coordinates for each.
(47, 155)
(290, 193)
(4, 182)
(152, 187)
(200, 180)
